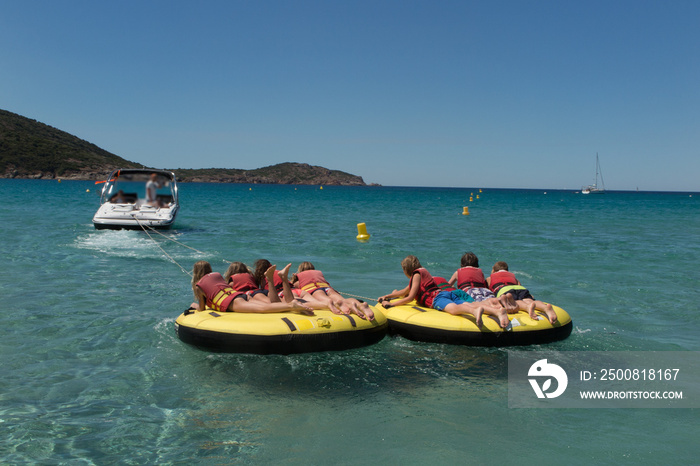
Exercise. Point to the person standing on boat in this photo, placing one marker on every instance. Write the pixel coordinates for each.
(152, 186)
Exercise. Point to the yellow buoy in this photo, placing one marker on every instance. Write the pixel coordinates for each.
(465, 211)
(321, 187)
(87, 190)
(471, 199)
(59, 180)
(477, 196)
(362, 234)
(480, 190)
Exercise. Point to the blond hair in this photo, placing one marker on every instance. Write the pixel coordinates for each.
(410, 264)
(200, 269)
(234, 268)
(306, 266)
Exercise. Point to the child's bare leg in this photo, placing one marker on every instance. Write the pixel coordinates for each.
(262, 298)
(286, 287)
(270, 277)
(493, 303)
(466, 308)
(317, 304)
(301, 308)
(334, 306)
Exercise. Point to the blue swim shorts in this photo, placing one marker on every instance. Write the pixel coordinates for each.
(446, 297)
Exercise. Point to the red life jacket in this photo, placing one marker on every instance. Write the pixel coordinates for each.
(242, 282)
(311, 280)
(443, 284)
(428, 287)
(502, 278)
(218, 293)
(470, 277)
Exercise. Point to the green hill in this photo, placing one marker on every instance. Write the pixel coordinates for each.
(30, 149)
(283, 173)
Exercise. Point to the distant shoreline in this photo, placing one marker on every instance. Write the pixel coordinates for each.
(375, 185)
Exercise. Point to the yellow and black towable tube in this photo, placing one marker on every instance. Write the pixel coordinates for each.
(430, 325)
(278, 333)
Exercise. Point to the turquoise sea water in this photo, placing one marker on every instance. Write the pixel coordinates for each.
(93, 372)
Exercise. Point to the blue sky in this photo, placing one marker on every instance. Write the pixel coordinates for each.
(510, 94)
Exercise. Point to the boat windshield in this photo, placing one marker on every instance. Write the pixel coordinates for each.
(128, 188)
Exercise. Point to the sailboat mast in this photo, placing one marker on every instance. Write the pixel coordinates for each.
(598, 170)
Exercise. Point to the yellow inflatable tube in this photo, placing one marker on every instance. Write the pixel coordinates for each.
(278, 333)
(424, 324)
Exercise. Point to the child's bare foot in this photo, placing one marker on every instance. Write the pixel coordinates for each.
(551, 315)
(270, 276)
(344, 308)
(503, 320)
(333, 307)
(358, 312)
(301, 308)
(367, 311)
(363, 311)
(494, 303)
(284, 273)
(509, 303)
(531, 311)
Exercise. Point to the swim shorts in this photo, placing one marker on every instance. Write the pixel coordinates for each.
(480, 294)
(446, 297)
(518, 293)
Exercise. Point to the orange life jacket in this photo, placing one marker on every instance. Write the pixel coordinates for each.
(218, 293)
(242, 282)
(311, 280)
(470, 277)
(502, 278)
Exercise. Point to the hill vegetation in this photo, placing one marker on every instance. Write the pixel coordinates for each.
(31, 149)
(283, 173)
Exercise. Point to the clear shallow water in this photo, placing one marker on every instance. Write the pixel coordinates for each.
(94, 373)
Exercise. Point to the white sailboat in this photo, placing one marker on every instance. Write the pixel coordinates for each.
(595, 188)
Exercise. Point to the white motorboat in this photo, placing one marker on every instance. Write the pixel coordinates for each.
(133, 199)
